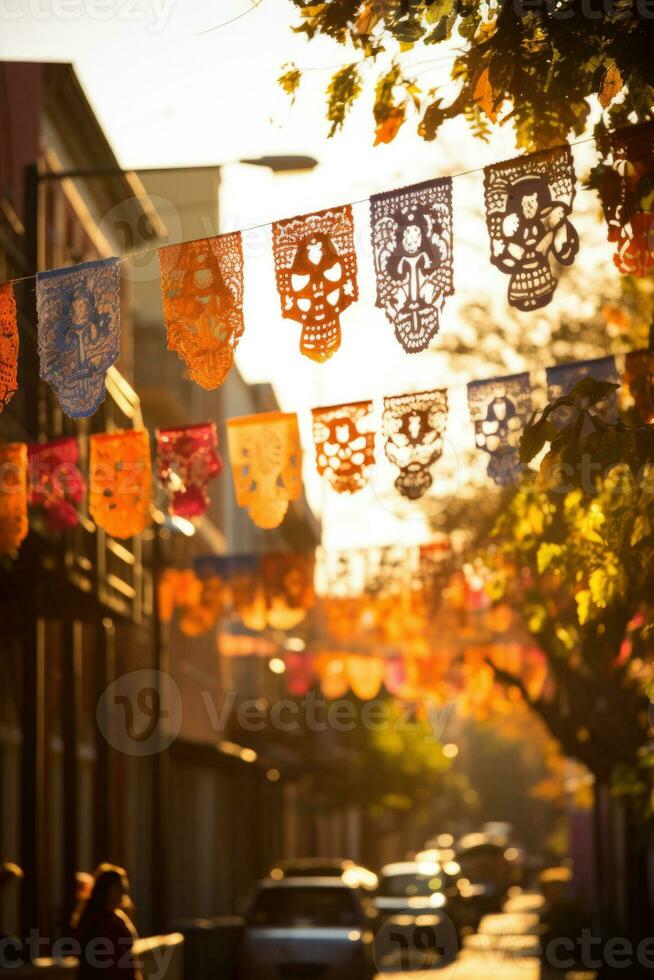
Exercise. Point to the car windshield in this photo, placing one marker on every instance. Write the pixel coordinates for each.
(305, 906)
(409, 885)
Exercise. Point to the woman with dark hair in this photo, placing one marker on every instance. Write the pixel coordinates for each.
(104, 931)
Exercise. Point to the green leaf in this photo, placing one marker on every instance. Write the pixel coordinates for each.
(592, 390)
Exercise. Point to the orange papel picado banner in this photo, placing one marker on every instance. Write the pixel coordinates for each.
(120, 482)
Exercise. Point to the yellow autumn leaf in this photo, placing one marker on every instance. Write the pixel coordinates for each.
(484, 96)
(583, 605)
(547, 552)
(600, 587)
(611, 85)
(641, 529)
(368, 18)
(312, 10)
(388, 128)
(536, 518)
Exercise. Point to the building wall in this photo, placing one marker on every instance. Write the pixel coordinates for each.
(63, 599)
(79, 611)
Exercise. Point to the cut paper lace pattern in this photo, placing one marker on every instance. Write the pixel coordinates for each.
(412, 247)
(562, 378)
(624, 180)
(8, 345)
(500, 408)
(56, 484)
(274, 589)
(13, 496)
(266, 459)
(639, 377)
(528, 207)
(413, 427)
(202, 292)
(242, 590)
(79, 332)
(187, 458)
(120, 482)
(316, 271)
(288, 588)
(345, 446)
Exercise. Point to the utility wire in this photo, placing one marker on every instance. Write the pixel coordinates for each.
(361, 200)
(232, 20)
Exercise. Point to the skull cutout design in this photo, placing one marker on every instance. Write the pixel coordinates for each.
(528, 208)
(624, 181)
(202, 291)
(79, 332)
(316, 270)
(266, 459)
(344, 448)
(500, 409)
(413, 427)
(413, 252)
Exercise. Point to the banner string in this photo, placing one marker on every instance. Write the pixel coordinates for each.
(361, 200)
(232, 20)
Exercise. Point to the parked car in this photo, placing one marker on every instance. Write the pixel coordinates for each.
(354, 875)
(410, 886)
(310, 928)
(482, 882)
(414, 931)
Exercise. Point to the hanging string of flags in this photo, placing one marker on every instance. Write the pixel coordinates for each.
(529, 203)
(529, 206)
(266, 455)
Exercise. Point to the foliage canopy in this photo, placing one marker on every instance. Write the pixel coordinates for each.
(531, 63)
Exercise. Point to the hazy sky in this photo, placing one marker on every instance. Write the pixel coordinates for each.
(169, 94)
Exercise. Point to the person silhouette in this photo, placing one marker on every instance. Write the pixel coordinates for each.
(104, 929)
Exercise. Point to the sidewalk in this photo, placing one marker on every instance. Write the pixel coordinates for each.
(478, 966)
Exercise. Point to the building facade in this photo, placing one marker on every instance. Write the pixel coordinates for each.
(79, 610)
